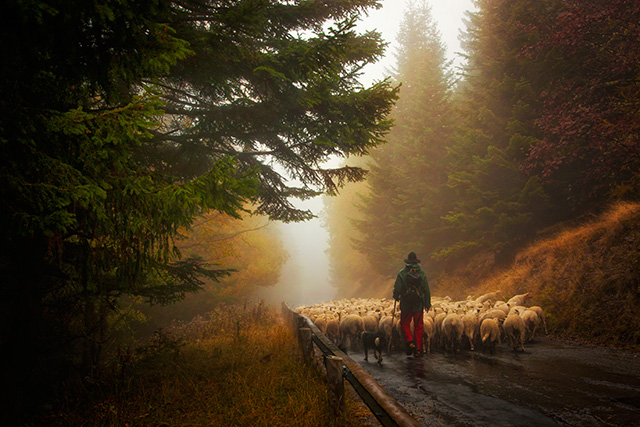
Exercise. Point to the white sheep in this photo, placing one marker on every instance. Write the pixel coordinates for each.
(514, 330)
(350, 328)
(370, 323)
(386, 327)
(490, 334)
(518, 309)
(372, 314)
(332, 330)
(452, 329)
(321, 323)
(398, 335)
(429, 333)
(540, 312)
(501, 305)
(490, 296)
(531, 322)
(470, 326)
(519, 299)
(495, 313)
(437, 321)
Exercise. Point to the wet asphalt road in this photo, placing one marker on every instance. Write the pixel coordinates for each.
(551, 383)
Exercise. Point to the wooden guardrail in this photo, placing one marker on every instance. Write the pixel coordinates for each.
(340, 366)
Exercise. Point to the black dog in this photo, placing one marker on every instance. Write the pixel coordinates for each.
(374, 340)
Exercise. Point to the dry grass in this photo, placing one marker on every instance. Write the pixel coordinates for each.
(235, 367)
(586, 278)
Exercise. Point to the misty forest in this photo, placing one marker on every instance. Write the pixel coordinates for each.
(152, 150)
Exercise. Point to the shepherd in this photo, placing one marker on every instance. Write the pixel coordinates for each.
(412, 290)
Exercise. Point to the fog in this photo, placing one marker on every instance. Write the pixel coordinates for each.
(448, 14)
(305, 275)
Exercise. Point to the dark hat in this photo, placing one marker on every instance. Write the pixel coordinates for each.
(412, 259)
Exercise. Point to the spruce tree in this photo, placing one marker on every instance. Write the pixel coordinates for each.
(498, 207)
(123, 121)
(274, 88)
(408, 174)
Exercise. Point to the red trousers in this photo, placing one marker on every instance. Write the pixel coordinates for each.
(418, 327)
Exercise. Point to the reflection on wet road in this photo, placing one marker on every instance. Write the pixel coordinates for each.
(552, 383)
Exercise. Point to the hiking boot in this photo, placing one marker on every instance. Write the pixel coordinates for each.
(418, 353)
(411, 348)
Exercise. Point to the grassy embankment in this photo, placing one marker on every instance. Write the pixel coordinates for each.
(586, 278)
(233, 367)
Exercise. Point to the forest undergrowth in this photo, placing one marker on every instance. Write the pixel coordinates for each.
(587, 278)
(235, 366)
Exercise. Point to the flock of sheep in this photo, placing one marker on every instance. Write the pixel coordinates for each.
(448, 324)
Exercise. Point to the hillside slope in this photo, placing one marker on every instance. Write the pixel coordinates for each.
(587, 279)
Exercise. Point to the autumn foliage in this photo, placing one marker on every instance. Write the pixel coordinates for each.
(586, 277)
(590, 119)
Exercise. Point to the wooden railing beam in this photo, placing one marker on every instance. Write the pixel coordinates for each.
(386, 409)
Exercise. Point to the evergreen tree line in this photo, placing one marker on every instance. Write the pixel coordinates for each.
(538, 129)
(122, 122)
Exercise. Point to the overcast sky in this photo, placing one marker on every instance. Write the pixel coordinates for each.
(305, 277)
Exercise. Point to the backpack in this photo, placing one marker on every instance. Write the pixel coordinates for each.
(413, 291)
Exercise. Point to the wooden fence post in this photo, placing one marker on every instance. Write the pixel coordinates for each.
(335, 384)
(286, 314)
(301, 322)
(306, 344)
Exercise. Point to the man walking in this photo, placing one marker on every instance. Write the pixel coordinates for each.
(412, 290)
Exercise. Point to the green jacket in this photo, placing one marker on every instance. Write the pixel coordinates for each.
(397, 291)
